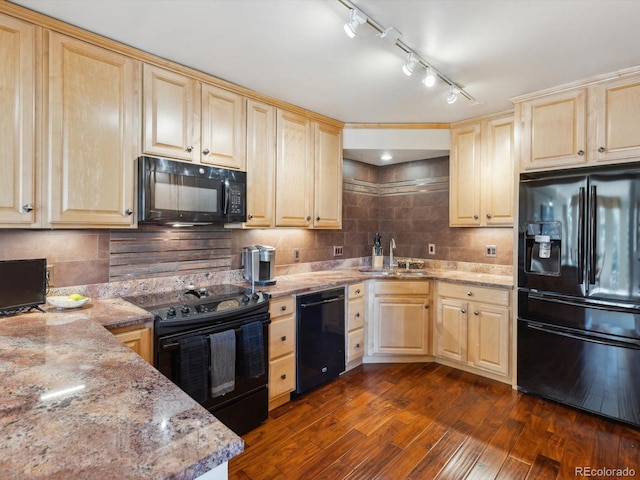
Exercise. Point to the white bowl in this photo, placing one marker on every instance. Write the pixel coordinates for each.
(65, 302)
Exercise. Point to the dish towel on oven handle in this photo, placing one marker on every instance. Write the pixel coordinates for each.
(252, 350)
(194, 365)
(223, 362)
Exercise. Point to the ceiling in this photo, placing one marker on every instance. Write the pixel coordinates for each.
(297, 51)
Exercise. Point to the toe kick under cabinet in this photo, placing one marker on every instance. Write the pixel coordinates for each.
(282, 354)
(473, 329)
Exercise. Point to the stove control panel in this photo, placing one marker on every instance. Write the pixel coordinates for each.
(209, 309)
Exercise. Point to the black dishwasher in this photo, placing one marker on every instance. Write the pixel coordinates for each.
(320, 338)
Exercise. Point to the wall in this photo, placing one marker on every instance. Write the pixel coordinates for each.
(409, 202)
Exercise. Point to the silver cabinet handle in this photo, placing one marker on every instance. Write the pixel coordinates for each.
(206, 151)
(283, 376)
(308, 217)
(601, 149)
(469, 294)
(283, 338)
(27, 208)
(476, 312)
(580, 152)
(357, 291)
(357, 345)
(189, 148)
(317, 219)
(475, 217)
(358, 315)
(128, 212)
(249, 216)
(488, 215)
(426, 305)
(463, 310)
(283, 308)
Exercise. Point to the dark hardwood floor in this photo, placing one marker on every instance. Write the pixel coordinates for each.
(428, 421)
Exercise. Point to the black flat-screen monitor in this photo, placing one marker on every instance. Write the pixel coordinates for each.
(23, 283)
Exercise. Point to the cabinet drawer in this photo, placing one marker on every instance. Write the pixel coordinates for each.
(355, 344)
(282, 306)
(282, 337)
(355, 291)
(355, 312)
(395, 287)
(474, 293)
(282, 375)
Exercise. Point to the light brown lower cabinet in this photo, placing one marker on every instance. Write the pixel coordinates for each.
(140, 340)
(473, 327)
(282, 350)
(355, 325)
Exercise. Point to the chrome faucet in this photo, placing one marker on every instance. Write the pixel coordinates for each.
(392, 246)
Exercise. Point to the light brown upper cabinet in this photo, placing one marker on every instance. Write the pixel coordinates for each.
(17, 142)
(327, 199)
(308, 172)
(91, 134)
(294, 170)
(482, 173)
(614, 120)
(261, 164)
(597, 122)
(194, 121)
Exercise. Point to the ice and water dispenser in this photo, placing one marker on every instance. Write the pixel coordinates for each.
(543, 247)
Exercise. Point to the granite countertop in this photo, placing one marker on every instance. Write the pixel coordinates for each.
(76, 403)
(309, 281)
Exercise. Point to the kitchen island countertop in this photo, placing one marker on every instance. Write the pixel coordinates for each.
(76, 403)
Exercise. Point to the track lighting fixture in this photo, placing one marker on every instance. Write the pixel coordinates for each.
(430, 79)
(453, 95)
(356, 19)
(392, 36)
(412, 61)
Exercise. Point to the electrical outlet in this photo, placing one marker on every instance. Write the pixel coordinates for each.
(432, 249)
(337, 251)
(50, 276)
(296, 254)
(490, 251)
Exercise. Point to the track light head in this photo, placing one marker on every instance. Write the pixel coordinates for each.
(412, 61)
(356, 19)
(453, 95)
(430, 79)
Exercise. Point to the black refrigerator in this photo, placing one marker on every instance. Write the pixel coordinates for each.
(579, 289)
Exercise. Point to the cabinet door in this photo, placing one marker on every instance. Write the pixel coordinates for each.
(464, 175)
(451, 329)
(497, 187)
(91, 134)
(224, 131)
(401, 325)
(171, 108)
(489, 338)
(261, 163)
(554, 131)
(328, 177)
(17, 167)
(140, 341)
(615, 120)
(294, 170)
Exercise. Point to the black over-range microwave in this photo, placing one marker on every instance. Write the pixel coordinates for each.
(180, 193)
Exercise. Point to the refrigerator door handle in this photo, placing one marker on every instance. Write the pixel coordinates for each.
(591, 303)
(584, 338)
(592, 235)
(581, 228)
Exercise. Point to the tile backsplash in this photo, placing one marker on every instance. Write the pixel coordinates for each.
(408, 202)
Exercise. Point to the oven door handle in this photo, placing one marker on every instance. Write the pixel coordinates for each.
(323, 302)
(170, 346)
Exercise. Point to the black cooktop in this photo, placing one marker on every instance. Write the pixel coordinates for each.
(215, 304)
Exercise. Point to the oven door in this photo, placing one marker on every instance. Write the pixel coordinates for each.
(243, 406)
